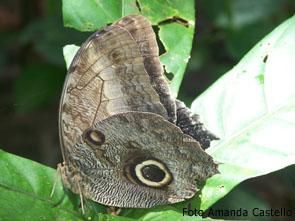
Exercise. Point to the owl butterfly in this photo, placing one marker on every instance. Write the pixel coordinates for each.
(126, 142)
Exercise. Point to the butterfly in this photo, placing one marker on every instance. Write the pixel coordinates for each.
(125, 140)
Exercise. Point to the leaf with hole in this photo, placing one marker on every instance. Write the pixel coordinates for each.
(175, 20)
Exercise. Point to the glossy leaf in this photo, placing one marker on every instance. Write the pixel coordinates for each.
(25, 192)
(252, 108)
(88, 15)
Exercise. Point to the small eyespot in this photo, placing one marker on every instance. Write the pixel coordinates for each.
(93, 137)
(150, 172)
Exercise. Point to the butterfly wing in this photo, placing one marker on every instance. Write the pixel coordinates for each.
(107, 76)
(142, 161)
(118, 145)
(141, 30)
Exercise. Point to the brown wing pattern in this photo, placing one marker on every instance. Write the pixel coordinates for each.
(118, 147)
(141, 30)
(107, 76)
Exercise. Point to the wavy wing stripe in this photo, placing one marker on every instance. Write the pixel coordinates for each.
(107, 76)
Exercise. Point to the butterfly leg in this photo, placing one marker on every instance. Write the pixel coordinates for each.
(71, 181)
(81, 197)
(114, 210)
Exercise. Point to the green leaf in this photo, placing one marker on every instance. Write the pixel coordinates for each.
(252, 108)
(177, 55)
(88, 15)
(176, 38)
(25, 192)
(176, 35)
(69, 52)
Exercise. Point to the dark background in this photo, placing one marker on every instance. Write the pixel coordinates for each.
(32, 71)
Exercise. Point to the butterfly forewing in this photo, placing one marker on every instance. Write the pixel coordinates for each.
(107, 76)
